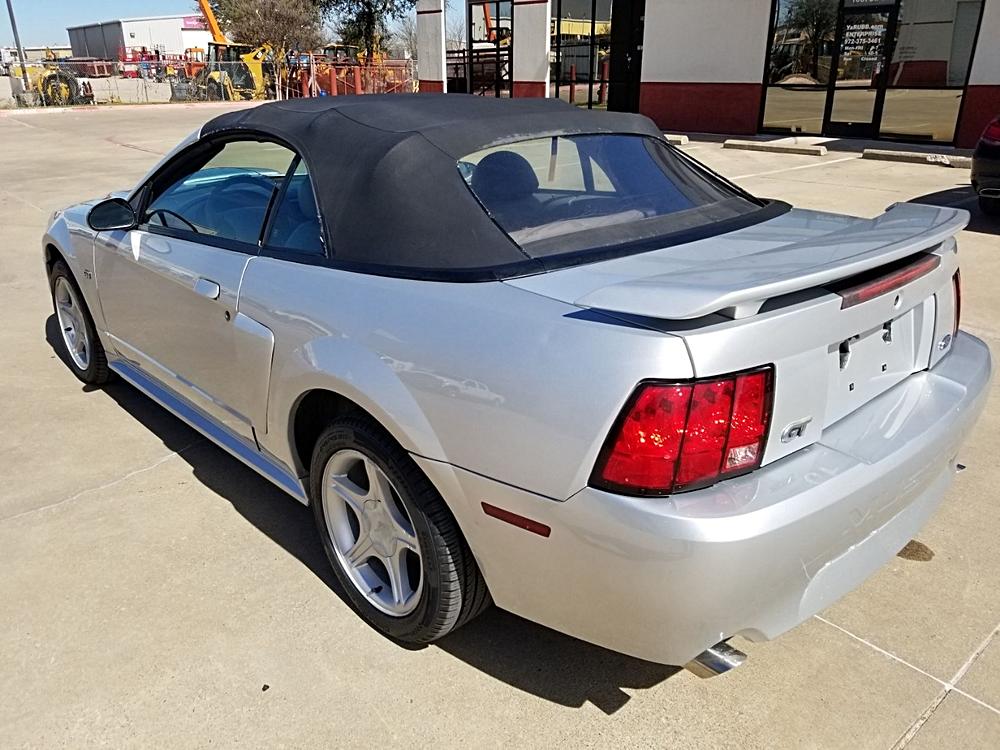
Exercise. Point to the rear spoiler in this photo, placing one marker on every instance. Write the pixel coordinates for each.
(740, 286)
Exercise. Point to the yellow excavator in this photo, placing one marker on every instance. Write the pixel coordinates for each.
(233, 71)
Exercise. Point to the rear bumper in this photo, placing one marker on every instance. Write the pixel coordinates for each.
(665, 578)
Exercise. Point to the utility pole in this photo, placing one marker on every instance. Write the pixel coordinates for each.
(20, 49)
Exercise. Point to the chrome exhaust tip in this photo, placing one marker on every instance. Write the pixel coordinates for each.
(716, 660)
(990, 192)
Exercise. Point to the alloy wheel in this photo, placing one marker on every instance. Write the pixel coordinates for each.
(71, 322)
(371, 532)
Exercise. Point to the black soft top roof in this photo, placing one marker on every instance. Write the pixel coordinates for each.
(384, 169)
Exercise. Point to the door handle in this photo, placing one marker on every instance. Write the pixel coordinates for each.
(207, 288)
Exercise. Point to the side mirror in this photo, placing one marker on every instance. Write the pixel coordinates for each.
(113, 213)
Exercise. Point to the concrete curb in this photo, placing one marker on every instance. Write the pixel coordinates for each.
(676, 140)
(916, 157)
(776, 148)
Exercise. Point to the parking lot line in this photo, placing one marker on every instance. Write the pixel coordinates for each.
(801, 166)
(947, 686)
(882, 651)
(25, 201)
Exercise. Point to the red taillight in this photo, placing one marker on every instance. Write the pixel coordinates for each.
(992, 132)
(674, 437)
(748, 425)
(956, 280)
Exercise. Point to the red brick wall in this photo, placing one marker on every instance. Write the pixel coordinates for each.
(702, 107)
(529, 89)
(981, 104)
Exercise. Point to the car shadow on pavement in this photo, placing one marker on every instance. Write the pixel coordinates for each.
(527, 656)
(963, 196)
(551, 665)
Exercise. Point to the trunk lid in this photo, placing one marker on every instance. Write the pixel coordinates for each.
(772, 294)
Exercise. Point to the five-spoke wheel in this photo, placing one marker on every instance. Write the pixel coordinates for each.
(392, 541)
(82, 348)
(372, 533)
(70, 317)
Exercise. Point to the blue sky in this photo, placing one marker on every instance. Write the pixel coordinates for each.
(45, 21)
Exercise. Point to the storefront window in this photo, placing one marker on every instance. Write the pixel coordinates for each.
(921, 114)
(581, 44)
(869, 68)
(799, 64)
(929, 67)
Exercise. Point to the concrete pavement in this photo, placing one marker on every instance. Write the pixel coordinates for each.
(157, 593)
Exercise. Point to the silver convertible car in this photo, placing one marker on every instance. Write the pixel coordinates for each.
(516, 352)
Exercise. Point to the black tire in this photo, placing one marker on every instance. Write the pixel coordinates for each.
(214, 91)
(453, 590)
(97, 371)
(60, 89)
(989, 206)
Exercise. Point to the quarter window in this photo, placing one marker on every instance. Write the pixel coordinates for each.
(226, 194)
(295, 225)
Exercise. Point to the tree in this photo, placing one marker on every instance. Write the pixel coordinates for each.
(217, 10)
(816, 20)
(365, 23)
(284, 24)
(454, 25)
(406, 33)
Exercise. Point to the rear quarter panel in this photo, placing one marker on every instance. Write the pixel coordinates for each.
(499, 381)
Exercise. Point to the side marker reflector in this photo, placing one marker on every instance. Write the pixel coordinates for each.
(515, 520)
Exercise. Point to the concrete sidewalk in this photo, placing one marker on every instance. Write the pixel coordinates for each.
(158, 593)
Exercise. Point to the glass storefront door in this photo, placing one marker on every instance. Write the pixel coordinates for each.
(581, 50)
(627, 32)
(489, 57)
(869, 68)
(857, 87)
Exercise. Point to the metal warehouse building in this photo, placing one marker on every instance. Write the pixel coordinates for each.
(909, 70)
(170, 35)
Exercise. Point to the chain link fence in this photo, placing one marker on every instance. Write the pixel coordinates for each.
(191, 79)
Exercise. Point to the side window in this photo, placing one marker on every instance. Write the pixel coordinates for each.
(226, 196)
(295, 225)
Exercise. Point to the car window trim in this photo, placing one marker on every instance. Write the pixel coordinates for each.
(294, 256)
(771, 209)
(222, 243)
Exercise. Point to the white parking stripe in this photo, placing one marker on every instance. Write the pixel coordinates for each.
(792, 169)
(948, 686)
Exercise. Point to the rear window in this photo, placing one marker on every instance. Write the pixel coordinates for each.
(566, 194)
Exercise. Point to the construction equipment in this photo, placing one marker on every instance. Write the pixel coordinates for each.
(55, 84)
(485, 30)
(194, 61)
(233, 71)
